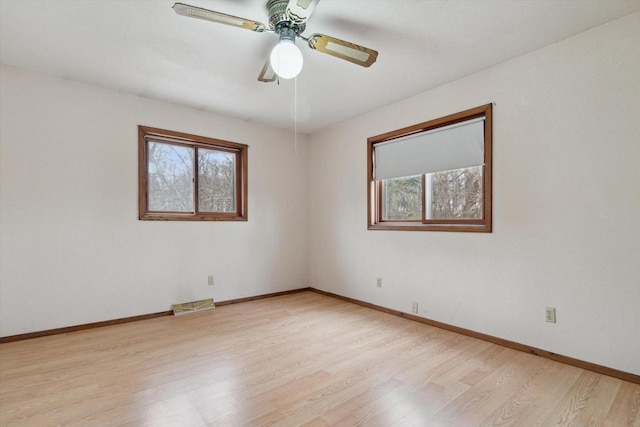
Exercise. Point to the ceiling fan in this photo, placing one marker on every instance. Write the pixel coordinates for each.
(287, 18)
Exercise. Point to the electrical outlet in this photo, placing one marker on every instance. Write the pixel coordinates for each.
(414, 307)
(210, 280)
(379, 282)
(550, 314)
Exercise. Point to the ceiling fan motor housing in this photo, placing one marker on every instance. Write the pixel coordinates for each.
(278, 19)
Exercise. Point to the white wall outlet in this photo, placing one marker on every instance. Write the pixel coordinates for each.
(379, 282)
(210, 280)
(414, 307)
(550, 314)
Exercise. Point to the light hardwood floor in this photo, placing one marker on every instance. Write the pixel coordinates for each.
(299, 359)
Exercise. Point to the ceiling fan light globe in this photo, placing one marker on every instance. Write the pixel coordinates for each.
(286, 59)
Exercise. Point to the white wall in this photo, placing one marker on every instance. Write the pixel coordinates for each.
(566, 205)
(72, 249)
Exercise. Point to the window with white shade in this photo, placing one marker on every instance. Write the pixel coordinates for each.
(433, 176)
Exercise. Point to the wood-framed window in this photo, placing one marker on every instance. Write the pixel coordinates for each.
(183, 177)
(432, 176)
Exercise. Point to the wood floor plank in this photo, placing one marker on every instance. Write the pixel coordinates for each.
(292, 360)
(626, 406)
(526, 405)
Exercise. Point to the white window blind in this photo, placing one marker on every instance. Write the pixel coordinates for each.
(452, 147)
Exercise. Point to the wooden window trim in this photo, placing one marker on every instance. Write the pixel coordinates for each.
(374, 187)
(195, 141)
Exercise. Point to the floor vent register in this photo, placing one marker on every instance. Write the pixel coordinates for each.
(193, 307)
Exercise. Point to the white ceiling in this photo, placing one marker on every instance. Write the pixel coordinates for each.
(144, 48)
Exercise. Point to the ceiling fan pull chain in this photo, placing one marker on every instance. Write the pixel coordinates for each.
(295, 115)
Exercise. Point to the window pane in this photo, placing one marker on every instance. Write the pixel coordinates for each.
(170, 177)
(455, 194)
(216, 181)
(402, 198)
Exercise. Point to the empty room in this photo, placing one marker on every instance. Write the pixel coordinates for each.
(320, 212)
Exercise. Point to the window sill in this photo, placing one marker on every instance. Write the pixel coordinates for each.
(165, 217)
(416, 226)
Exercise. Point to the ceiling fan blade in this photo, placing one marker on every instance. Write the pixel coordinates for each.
(220, 18)
(267, 75)
(344, 50)
(298, 11)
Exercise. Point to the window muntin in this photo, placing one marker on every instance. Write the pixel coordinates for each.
(191, 178)
(452, 156)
